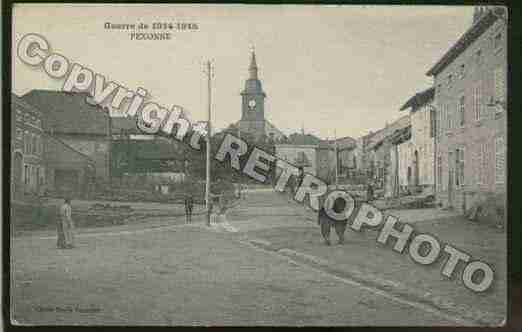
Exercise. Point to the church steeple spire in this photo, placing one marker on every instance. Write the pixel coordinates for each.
(253, 65)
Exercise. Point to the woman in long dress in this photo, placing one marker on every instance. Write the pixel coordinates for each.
(66, 226)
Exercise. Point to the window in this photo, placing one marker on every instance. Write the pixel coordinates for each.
(33, 144)
(439, 171)
(499, 85)
(461, 111)
(19, 134)
(483, 165)
(439, 88)
(450, 80)
(459, 167)
(26, 174)
(477, 100)
(445, 118)
(438, 125)
(499, 159)
(19, 116)
(27, 142)
(497, 41)
(478, 57)
(462, 71)
(448, 118)
(475, 162)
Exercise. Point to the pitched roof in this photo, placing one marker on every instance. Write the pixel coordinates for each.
(401, 135)
(57, 151)
(465, 40)
(385, 132)
(419, 99)
(125, 123)
(68, 112)
(345, 143)
(303, 139)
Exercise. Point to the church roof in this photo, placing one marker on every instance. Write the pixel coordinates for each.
(253, 84)
(253, 62)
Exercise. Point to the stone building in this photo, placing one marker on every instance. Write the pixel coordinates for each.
(325, 161)
(399, 179)
(417, 155)
(346, 158)
(69, 172)
(300, 150)
(470, 100)
(27, 148)
(378, 150)
(83, 127)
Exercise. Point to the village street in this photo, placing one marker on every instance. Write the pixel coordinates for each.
(268, 267)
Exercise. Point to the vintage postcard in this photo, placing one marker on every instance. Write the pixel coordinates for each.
(258, 165)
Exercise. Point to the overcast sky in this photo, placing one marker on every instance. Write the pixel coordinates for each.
(343, 68)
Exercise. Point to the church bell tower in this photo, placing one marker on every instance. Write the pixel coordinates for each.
(253, 102)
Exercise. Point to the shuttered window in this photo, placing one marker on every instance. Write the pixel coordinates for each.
(477, 100)
(459, 167)
(483, 163)
(462, 111)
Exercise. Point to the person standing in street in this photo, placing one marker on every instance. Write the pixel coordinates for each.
(327, 223)
(66, 226)
(189, 204)
(369, 192)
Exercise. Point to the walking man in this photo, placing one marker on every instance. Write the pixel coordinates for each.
(66, 226)
(327, 223)
(369, 192)
(189, 204)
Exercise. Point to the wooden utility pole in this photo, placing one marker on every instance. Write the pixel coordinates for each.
(336, 161)
(209, 133)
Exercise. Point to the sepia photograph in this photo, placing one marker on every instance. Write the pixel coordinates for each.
(257, 165)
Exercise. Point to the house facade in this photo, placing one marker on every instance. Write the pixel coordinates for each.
(27, 148)
(379, 151)
(470, 100)
(83, 127)
(346, 159)
(68, 172)
(417, 155)
(299, 155)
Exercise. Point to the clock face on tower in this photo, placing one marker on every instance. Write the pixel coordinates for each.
(252, 104)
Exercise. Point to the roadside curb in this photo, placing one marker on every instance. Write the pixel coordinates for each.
(392, 287)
